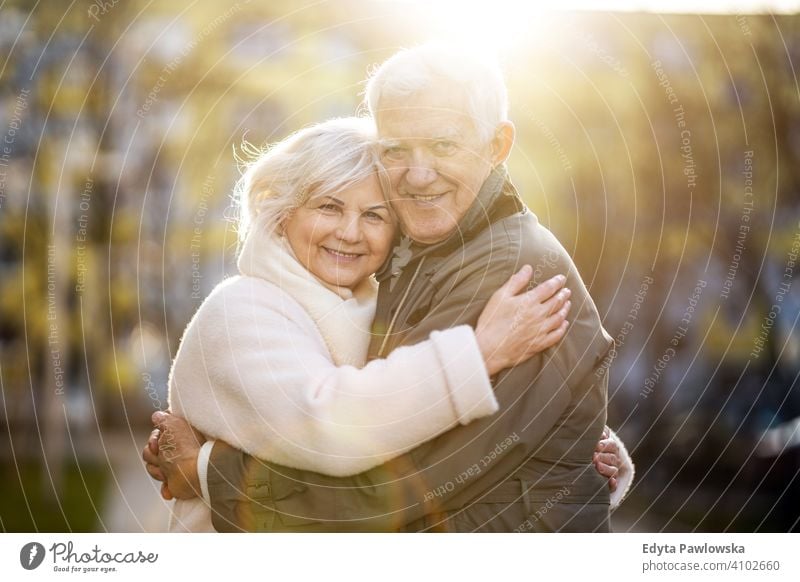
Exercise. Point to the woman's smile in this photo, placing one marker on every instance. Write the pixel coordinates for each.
(345, 237)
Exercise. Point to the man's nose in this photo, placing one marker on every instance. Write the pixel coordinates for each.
(349, 229)
(422, 170)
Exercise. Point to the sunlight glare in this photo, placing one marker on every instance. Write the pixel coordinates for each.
(495, 27)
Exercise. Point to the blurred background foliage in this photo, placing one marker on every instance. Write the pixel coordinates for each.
(119, 125)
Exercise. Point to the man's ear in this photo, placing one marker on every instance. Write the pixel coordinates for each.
(502, 142)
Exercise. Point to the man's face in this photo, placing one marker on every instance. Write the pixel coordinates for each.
(435, 160)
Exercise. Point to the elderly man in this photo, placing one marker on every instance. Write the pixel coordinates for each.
(445, 137)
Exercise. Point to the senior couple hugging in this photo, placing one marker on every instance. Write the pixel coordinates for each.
(405, 347)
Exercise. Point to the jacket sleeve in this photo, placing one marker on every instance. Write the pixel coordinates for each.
(252, 376)
(444, 473)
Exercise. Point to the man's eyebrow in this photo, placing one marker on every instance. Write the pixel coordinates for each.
(448, 134)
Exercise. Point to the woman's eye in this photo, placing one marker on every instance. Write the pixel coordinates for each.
(329, 208)
(373, 216)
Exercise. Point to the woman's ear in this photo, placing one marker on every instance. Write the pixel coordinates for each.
(280, 229)
(502, 142)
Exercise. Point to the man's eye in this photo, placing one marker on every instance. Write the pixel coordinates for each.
(394, 153)
(444, 147)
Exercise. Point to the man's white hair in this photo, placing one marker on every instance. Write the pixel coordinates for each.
(315, 161)
(441, 67)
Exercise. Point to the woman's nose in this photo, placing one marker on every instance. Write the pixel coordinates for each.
(349, 230)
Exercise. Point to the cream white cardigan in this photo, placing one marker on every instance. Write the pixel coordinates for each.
(273, 363)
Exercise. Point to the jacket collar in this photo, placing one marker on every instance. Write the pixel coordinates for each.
(496, 199)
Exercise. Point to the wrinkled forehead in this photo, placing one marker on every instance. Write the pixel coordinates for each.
(425, 115)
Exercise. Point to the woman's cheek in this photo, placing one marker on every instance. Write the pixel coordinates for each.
(387, 235)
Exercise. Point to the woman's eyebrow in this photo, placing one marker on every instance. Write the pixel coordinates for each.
(377, 207)
(332, 199)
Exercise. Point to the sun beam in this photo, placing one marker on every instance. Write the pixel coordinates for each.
(493, 27)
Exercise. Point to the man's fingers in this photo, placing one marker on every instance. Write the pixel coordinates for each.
(149, 456)
(152, 442)
(608, 446)
(162, 438)
(158, 418)
(608, 458)
(177, 427)
(612, 484)
(155, 472)
(606, 433)
(606, 470)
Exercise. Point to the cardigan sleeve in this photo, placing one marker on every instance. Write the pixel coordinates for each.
(627, 471)
(253, 372)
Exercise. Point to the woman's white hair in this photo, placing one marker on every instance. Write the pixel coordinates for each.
(442, 67)
(314, 161)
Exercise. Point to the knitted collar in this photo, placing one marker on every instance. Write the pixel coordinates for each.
(343, 316)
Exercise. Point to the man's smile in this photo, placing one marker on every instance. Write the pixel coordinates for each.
(425, 199)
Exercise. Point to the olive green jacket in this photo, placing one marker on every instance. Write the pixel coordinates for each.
(526, 468)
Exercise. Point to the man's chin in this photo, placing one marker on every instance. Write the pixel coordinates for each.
(430, 236)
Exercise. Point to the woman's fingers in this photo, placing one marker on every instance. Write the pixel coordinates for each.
(547, 332)
(556, 302)
(517, 282)
(541, 293)
(544, 323)
(555, 336)
(516, 324)
(547, 340)
(553, 322)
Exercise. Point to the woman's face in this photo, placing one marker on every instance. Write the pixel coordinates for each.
(343, 238)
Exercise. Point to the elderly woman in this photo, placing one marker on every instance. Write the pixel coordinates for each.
(273, 362)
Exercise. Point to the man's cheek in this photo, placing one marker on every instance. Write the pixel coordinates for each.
(396, 178)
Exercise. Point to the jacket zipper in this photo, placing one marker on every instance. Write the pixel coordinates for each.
(399, 308)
